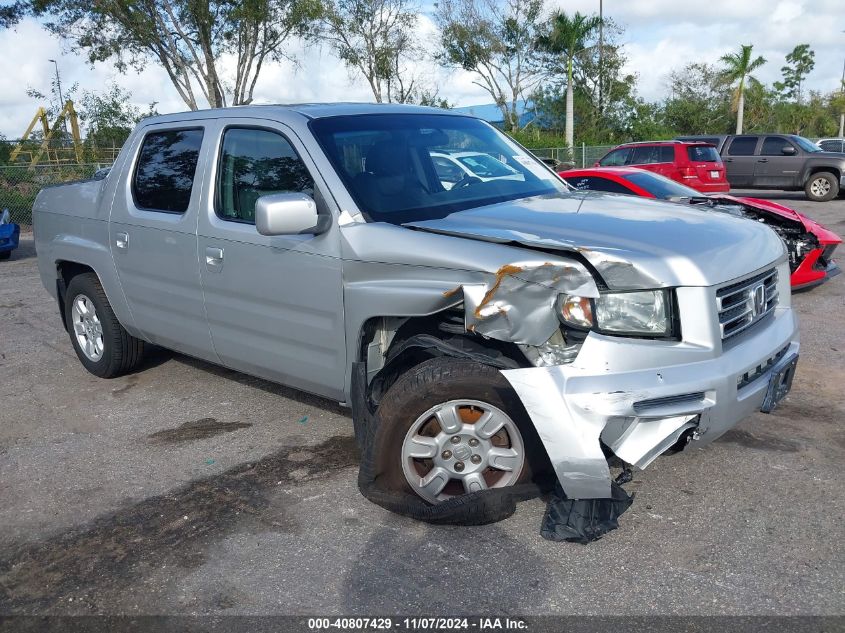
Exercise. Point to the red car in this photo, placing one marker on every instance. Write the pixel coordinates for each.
(695, 164)
(810, 245)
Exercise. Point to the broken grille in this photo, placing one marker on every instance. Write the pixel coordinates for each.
(745, 303)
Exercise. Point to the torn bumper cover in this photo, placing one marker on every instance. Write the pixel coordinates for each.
(639, 413)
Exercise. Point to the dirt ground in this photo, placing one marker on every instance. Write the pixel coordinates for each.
(190, 489)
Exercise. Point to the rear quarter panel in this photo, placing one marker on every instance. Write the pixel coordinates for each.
(71, 224)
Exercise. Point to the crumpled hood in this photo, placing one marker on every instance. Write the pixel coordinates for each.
(632, 242)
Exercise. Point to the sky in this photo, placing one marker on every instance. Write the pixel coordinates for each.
(660, 35)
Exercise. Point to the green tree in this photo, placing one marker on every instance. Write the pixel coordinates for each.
(799, 63)
(187, 38)
(375, 38)
(736, 72)
(697, 103)
(564, 39)
(109, 116)
(494, 39)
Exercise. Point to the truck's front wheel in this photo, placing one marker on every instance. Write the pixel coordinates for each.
(451, 427)
(822, 186)
(100, 342)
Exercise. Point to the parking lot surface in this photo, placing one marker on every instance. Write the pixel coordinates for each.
(191, 489)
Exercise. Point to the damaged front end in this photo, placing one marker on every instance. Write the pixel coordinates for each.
(610, 365)
(809, 245)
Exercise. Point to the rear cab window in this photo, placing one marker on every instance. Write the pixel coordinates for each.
(703, 154)
(743, 146)
(164, 174)
(256, 162)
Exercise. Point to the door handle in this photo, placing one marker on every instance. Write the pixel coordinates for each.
(728, 160)
(763, 160)
(213, 258)
(121, 240)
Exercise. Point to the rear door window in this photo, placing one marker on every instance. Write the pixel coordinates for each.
(616, 158)
(254, 163)
(164, 175)
(743, 146)
(650, 154)
(773, 146)
(703, 154)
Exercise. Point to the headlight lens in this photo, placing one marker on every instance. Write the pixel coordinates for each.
(641, 313)
(645, 312)
(575, 311)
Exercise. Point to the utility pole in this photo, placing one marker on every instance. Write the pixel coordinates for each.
(601, 56)
(842, 94)
(61, 97)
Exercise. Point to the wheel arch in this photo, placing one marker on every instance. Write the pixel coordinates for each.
(67, 269)
(815, 169)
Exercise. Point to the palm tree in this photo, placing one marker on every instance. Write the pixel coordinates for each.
(737, 72)
(567, 37)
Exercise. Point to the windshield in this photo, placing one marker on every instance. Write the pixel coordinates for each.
(486, 166)
(805, 144)
(385, 161)
(661, 187)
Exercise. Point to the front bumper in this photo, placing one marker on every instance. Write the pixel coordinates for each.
(9, 236)
(817, 268)
(640, 412)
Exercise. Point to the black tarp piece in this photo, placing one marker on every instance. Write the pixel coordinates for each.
(565, 519)
(583, 520)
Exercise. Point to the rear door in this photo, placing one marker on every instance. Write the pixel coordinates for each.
(153, 237)
(657, 158)
(740, 160)
(774, 168)
(705, 163)
(274, 303)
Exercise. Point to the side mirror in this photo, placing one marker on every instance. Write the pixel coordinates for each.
(788, 150)
(288, 214)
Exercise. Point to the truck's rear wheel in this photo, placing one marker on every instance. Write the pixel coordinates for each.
(450, 427)
(102, 345)
(822, 186)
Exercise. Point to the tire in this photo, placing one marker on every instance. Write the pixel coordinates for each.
(114, 352)
(5, 255)
(432, 384)
(822, 186)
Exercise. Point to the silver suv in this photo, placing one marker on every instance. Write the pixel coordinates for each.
(489, 329)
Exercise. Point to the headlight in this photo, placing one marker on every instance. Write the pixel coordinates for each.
(641, 313)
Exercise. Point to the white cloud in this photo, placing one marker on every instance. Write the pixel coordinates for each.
(659, 35)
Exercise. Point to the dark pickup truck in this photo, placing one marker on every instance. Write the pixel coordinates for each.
(779, 161)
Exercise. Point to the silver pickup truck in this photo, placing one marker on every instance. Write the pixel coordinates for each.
(492, 323)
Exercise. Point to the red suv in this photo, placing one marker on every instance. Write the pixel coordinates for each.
(697, 165)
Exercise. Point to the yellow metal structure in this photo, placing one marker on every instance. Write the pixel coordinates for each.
(55, 155)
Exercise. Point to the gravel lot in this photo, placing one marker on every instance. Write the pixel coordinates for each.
(187, 488)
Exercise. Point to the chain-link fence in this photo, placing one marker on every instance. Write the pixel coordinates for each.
(581, 155)
(20, 184)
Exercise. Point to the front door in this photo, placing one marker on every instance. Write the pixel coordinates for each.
(774, 168)
(153, 238)
(740, 160)
(274, 304)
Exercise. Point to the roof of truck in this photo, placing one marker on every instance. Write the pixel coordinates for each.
(308, 110)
